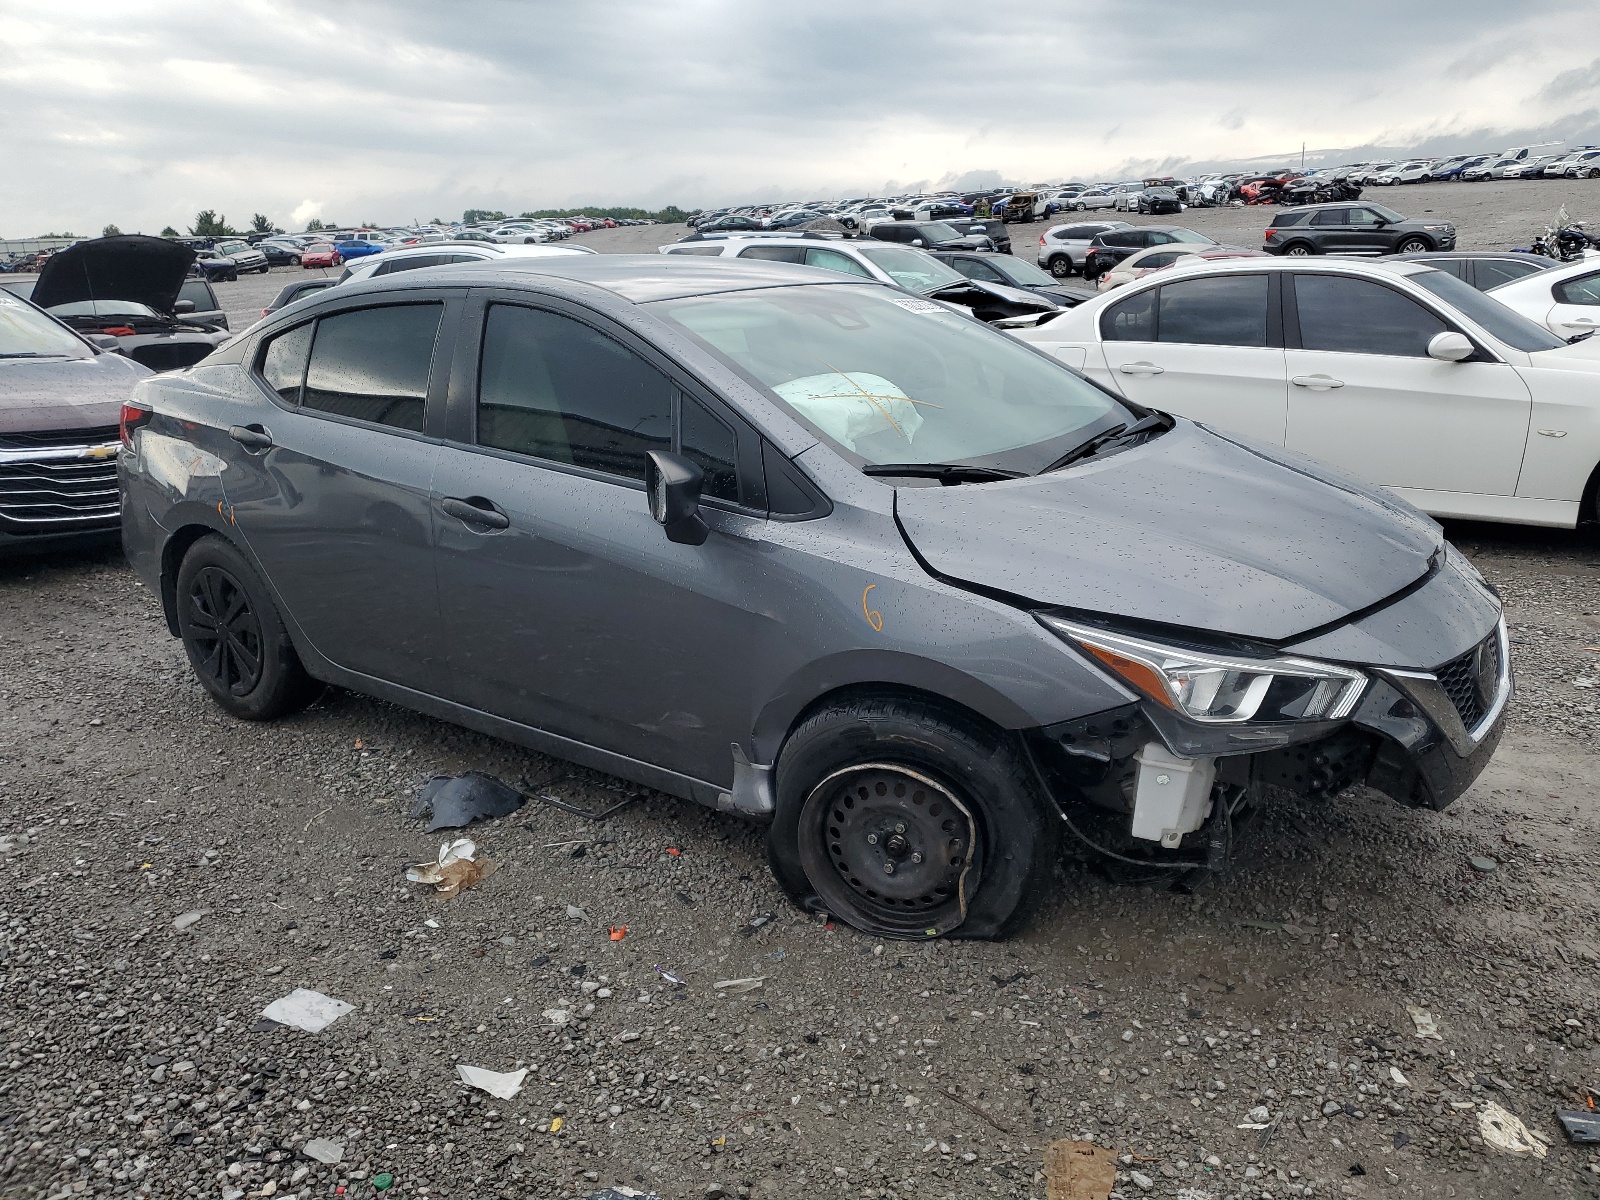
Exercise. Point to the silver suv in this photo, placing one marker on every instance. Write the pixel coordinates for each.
(1063, 248)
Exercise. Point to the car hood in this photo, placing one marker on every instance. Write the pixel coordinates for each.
(1035, 301)
(148, 270)
(44, 394)
(1192, 529)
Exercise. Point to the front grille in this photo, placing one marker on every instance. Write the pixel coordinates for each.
(47, 488)
(1472, 680)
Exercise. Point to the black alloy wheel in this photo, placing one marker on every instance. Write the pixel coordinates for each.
(1061, 267)
(233, 636)
(225, 630)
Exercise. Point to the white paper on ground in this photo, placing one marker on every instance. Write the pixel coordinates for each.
(307, 1010)
(501, 1085)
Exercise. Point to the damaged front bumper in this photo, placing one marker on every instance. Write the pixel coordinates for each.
(1420, 737)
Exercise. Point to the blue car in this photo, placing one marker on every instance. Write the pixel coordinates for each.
(356, 248)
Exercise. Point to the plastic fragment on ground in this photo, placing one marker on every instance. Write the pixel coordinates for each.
(457, 868)
(1399, 1079)
(457, 800)
(1079, 1171)
(185, 920)
(735, 987)
(324, 1150)
(621, 1193)
(1423, 1020)
(306, 1010)
(1503, 1132)
(502, 1085)
(1582, 1125)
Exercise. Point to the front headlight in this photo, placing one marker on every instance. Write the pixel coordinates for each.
(1220, 690)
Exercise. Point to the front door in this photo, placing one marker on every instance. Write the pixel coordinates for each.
(331, 487)
(1364, 394)
(565, 606)
(1203, 348)
(1577, 306)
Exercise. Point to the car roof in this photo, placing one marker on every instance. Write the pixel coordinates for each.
(638, 278)
(1196, 265)
(1538, 260)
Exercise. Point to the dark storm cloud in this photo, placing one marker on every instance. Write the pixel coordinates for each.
(143, 113)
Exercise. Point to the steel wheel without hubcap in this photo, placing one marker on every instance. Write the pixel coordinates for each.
(890, 848)
(225, 631)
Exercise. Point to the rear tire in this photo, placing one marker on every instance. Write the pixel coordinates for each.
(1061, 267)
(944, 798)
(1298, 249)
(234, 637)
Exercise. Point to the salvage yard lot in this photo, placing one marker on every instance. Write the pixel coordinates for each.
(1149, 1021)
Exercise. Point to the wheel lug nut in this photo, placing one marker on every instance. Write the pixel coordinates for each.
(872, 839)
(888, 868)
(916, 858)
(900, 828)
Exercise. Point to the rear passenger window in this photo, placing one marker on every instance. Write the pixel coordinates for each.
(1579, 291)
(788, 254)
(554, 388)
(1491, 274)
(1131, 320)
(1331, 216)
(410, 264)
(1359, 317)
(707, 250)
(1215, 312)
(283, 362)
(712, 447)
(373, 364)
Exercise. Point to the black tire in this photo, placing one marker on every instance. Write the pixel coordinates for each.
(1080, 206)
(251, 670)
(1594, 172)
(294, 261)
(231, 277)
(1061, 267)
(263, 268)
(1299, 249)
(952, 802)
(1413, 245)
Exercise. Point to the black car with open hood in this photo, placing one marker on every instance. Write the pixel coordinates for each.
(127, 287)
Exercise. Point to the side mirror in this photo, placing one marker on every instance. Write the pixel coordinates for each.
(1450, 347)
(183, 306)
(673, 485)
(916, 241)
(105, 342)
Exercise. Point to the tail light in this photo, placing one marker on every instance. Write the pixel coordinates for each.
(1271, 233)
(132, 418)
(1041, 239)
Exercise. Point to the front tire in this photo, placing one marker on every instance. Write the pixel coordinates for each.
(905, 819)
(235, 640)
(1080, 206)
(1413, 246)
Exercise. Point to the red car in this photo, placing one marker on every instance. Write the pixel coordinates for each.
(320, 254)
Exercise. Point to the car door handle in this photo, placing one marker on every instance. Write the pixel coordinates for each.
(1581, 323)
(1140, 368)
(251, 437)
(1317, 383)
(483, 512)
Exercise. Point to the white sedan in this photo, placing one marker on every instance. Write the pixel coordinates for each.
(1393, 371)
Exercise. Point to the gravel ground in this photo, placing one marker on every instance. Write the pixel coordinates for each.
(1154, 1023)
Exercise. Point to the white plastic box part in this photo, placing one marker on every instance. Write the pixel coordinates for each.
(1172, 795)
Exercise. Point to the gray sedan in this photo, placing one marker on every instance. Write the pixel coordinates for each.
(807, 548)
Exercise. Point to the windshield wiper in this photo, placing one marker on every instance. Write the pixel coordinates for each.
(1121, 433)
(30, 354)
(947, 473)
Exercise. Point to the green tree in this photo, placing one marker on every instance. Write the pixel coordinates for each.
(438, 221)
(481, 214)
(261, 223)
(111, 231)
(315, 225)
(170, 232)
(207, 223)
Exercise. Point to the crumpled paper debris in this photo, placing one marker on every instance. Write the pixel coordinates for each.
(1079, 1171)
(307, 1010)
(1503, 1132)
(1423, 1020)
(502, 1085)
(456, 869)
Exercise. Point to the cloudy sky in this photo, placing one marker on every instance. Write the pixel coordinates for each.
(142, 113)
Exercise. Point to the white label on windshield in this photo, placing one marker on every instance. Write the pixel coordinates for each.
(921, 306)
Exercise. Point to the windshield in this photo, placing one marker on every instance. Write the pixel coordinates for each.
(898, 380)
(1021, 271)
(938, 233)
(1190, 236)
(911, 269)
(1510, 327)
(1388, 214)
(104, 308)
(25, 332)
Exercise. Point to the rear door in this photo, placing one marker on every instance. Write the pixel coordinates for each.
(565, 606)
(332, 486)
(1365, 396)
(1207, 348)
(1577, 305)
